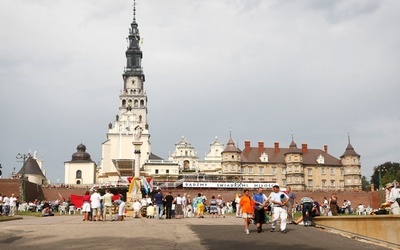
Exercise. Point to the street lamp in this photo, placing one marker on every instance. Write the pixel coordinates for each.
(380, 183)
(24, 157)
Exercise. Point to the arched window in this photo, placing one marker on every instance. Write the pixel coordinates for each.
(78, 182)
(78, 174)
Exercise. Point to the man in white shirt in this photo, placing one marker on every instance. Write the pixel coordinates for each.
(6, 206)
(95, 199)
(394, 195)
(279, 200)
(136, 208)
(13, 205)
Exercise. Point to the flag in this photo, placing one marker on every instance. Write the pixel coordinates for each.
(145, 184)
(131, 186)
(150, 183)
(62, 198)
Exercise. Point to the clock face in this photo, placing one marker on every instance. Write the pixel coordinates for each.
(131, 82)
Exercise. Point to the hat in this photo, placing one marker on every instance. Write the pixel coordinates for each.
(276, 185)
(389, 185)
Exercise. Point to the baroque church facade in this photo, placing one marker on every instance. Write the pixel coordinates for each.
(301, 168)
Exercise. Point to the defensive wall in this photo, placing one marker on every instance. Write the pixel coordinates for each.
(34, 191)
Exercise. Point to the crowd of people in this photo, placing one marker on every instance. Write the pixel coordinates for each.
(257, 208)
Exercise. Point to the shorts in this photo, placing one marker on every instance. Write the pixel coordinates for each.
(247, 216)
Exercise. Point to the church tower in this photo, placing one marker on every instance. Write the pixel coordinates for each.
(352, 168)
(131, 123)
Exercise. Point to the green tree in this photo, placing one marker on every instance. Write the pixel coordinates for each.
(387, 172)
(365, 184)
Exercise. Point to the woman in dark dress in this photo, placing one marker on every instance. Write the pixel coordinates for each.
(333, 205)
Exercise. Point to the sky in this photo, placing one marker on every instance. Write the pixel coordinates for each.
(258, 70)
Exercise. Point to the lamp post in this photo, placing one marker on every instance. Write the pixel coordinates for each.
(380, 183)
(23, 157)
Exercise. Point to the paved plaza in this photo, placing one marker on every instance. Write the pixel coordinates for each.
(70, 232)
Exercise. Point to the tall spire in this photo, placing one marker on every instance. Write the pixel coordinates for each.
(348, 136)
(133, 53)
(349, 149)
(134, 10)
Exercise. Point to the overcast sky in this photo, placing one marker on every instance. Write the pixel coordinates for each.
(261, 69)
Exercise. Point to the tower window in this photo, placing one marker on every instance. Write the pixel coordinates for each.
(78, 174)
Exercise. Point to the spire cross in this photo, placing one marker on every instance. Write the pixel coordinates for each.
(134, 10)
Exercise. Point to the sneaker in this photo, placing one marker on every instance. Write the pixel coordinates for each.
(272, 229)
(247, 231)
(284, 231)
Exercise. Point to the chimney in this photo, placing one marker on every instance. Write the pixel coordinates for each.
(247, 145)
(260, 147)
(304, 148)
(276, 145)
(326, 148)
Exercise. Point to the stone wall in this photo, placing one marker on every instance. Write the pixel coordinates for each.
(33, 191)
(14, 186)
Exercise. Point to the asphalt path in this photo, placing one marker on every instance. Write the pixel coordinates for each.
(70, 232)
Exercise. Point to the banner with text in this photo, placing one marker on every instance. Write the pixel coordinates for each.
(249, 185)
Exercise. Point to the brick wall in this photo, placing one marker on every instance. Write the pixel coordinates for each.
(33, 191)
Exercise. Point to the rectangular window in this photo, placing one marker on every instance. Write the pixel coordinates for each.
(283, 171)
(225, 167)
(341, 171)
(156, 171)
(233, 168)
(323, 183)
(310, 183)
(261, 170)
(333, 184)
(250, 170)
(322, 170)
(242, 170)
(309, 170)
(273, 170)
(332, 171)
(167, 171)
